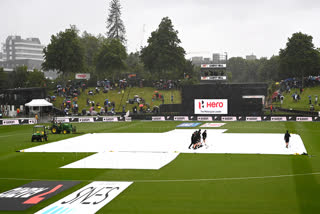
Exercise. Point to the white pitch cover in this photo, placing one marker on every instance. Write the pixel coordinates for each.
(88, 199)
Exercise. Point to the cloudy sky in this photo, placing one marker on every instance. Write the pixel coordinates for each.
(205, 26)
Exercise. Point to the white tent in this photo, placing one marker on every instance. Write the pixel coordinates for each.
(38, 106)
(39, 103)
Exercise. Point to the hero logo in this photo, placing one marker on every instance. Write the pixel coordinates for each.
(211, 106)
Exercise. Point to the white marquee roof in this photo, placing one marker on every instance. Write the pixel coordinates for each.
(39, 102)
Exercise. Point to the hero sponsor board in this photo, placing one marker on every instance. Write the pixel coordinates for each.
(301, 119)
(188, 125)
(212, 125)
(110, 119)
(278, 118)
(88, 199)
(10, 122)
(229, 118)
(253, 118)
(204, 118)
(28, 195)
(181, 118)
(158, 118)
(211, 106)
(83, 76)
(86, 120)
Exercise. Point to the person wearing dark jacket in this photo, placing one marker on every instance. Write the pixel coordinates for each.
(287, 138)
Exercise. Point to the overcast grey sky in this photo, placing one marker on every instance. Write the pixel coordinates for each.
(240, 28)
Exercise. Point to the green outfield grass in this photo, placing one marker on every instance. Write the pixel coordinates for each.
(227, 187)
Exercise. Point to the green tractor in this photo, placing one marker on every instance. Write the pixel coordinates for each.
(39, 133)
(65, 128)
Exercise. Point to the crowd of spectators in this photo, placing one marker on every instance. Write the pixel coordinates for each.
(293, 88)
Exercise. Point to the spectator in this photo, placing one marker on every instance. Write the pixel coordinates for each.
(102, 112)
(316, 100)
(37, 118)
(310, 98)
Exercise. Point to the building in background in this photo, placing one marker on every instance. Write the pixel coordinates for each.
(216, 58)
(0, 56)
(22, 52)
(251, 57)
(197, 60)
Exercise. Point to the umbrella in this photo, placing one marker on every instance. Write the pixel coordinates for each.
(141, 105)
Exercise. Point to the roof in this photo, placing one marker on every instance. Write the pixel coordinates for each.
(39, 126)
(39, 102)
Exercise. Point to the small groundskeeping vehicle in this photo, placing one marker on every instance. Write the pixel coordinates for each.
(39, 133)
(64, 128)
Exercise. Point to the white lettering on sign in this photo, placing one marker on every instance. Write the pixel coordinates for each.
(88, 199)
(211, 106)
(22, 192)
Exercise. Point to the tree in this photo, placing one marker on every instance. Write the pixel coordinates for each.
(65, 53)
(3, 78)
(91, 45)
(110, 60)
(163, 56)
(238, 68)
(36, 79)
(115, 26)
(135, 66)
(18, 77)
(299, 58)
(269, 69)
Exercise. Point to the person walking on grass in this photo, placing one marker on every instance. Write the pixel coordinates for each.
(287, 138)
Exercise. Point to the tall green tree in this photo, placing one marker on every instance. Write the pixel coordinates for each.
(65, 53)
(299, 58)
(163, 56)
(91, 45)
(115, 26)
(135, 66)
(36, 78)
(269, 69)
(238, 68)
(110, 60)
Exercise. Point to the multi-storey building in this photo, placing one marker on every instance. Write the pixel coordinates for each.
(22, 52)
(251, 57)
